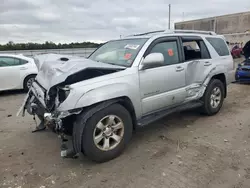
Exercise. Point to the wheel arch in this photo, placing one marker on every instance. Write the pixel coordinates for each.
(125, 101)
(26, 77)
(88, 111)
(222, 78)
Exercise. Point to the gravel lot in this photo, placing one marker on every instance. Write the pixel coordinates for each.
(184, 150)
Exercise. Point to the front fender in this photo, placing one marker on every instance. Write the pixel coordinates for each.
(109, 92)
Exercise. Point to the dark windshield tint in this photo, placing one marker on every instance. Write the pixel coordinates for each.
(119, 52)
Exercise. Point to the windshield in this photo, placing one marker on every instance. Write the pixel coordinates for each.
(119, 52)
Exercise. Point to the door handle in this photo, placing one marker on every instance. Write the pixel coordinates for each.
(179, 69)
(207, 63)
(23, 68)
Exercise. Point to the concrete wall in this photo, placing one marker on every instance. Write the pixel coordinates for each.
(240, 38)
(233, 23)
(234, 26)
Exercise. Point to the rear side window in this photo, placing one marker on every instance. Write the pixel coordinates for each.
(194, 49)
(11, 61)
(219, 46)
(22, 61)
(204, 51)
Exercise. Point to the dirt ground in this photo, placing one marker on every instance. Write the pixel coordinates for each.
(184, 150)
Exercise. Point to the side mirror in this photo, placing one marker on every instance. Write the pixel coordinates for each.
(152, 60)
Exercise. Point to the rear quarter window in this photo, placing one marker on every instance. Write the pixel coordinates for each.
(219, 45)
(22, 61)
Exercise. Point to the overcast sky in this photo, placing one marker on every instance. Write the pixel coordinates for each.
(99, 20)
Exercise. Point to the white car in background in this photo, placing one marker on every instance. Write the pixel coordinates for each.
(16, 72)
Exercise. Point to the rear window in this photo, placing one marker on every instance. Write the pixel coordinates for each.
(219, 45)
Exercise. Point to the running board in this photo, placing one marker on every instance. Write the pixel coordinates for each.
(160, 114)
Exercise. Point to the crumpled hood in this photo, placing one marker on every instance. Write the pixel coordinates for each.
(41, 58)
(57, 71)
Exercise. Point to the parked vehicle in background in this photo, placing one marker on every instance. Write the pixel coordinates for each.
(246, 50)
(236, 51)
(242, 73)
(129, 83)
(16, 72)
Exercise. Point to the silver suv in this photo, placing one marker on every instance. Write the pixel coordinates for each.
(96, 103)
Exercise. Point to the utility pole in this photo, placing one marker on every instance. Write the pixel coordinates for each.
(215, 20)
(169, 16)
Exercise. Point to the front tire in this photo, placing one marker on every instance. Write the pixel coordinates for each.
(107, 133)
(213, 97)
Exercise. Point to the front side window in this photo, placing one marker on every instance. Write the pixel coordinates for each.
(119, 52)
(219, 45)
(169, 50)
(10, 61)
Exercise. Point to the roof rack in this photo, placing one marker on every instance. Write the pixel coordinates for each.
(151, 32)
(175, 31)
(195, 31)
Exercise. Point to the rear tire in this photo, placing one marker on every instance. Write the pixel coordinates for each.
(98, 131)
(213, 97)
(28, 82)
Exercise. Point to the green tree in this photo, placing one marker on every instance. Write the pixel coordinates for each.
(47, 45)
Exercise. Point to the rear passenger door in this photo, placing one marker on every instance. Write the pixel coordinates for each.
(197, 59)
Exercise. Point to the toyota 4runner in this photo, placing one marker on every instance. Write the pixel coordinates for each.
(95, 103)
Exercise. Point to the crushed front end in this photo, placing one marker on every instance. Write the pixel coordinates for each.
(43, 105)
(53, 97)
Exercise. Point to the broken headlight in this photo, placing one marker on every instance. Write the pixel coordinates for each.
(63, 93)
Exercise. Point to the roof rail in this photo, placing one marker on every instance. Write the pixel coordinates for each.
(151, 32)
(195, 31)
(175, 31)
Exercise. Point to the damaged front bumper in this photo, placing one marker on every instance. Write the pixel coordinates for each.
(34, 104)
